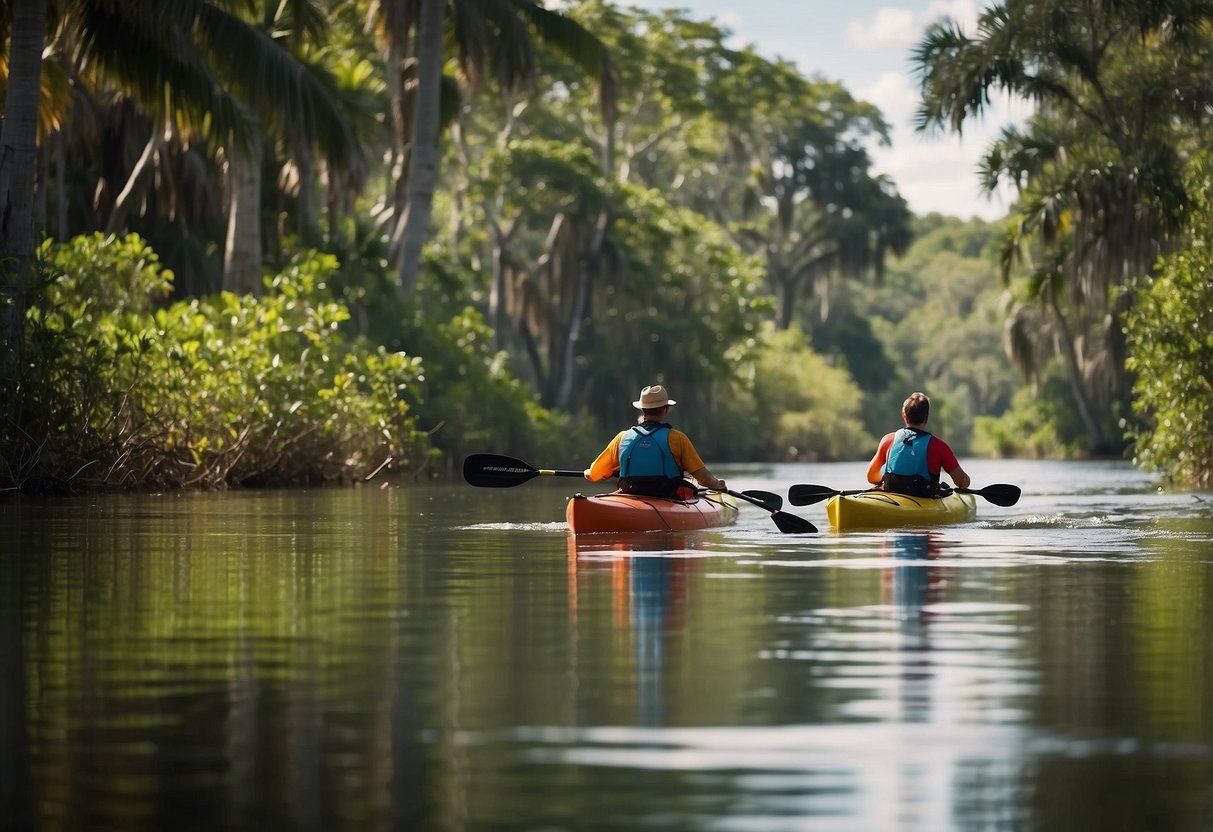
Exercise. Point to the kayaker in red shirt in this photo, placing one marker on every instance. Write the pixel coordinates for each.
(910, 460)
(650, 457)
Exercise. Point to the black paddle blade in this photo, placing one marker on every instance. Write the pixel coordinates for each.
(1000, 493)
(770, 498)
(787, 523)
(791, 524)
(496, 471)
(806, 495)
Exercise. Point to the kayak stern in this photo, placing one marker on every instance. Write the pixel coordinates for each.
(883, 510)
(618, 512)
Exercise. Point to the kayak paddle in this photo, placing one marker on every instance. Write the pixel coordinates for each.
(787, 523)
(1000, 494)
(806, 495)
(496, 471)
(769, 497)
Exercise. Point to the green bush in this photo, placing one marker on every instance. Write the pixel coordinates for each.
(1170, 340)
(790, 404)
(117, 392)
(473, 402)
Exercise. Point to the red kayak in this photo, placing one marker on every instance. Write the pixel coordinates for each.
(618, 512)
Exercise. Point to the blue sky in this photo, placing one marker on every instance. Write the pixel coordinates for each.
(866, 45)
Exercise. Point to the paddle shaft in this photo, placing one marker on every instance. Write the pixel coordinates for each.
(1000, 494)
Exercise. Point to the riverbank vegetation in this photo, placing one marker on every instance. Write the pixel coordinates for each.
(322, 255)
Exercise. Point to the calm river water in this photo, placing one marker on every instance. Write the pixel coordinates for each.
(439, 657)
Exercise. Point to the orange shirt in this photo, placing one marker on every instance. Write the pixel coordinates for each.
(607, 464)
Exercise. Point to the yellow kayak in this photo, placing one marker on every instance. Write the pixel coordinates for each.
(883, 510)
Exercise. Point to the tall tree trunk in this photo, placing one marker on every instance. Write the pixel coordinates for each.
(786, 286)
(18, 163)
(1077, 385)
(423, 173)
(306, 211)
(60, 188)
(398, 27)
(122, 205)
(242, 253)
(585, 281)
(40, 189)
(497, 292)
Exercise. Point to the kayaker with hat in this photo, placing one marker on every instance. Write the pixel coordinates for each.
(910, 460)
(651, 456)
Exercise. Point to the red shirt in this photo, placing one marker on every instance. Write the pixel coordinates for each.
(939, 454)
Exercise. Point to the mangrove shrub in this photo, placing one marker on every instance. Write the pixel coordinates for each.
(118, 388)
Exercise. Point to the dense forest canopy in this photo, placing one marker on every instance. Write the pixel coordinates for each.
(249, 242)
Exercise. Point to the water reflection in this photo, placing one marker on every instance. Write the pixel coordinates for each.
(650, 584)
(911, 585)
(433, 659)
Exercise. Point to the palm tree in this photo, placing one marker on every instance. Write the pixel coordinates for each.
(177, 62)
(413, 226)
(1119, 88)
(18, 149)
(497, 33)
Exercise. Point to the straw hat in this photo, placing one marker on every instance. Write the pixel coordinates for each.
(653, 397)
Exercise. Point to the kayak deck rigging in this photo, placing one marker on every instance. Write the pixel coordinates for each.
(619, 512)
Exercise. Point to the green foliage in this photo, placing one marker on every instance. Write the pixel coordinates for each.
(934, 324)
(788, 403)
(850, 338)
(219, 391)
(1170, 341)
(471, 400)
(1119, 91)
(605, 261)
(681, 296)
(475, 403)
(1027, 429)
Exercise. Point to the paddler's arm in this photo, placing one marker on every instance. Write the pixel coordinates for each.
(688, 459)
(709, 480)
(959, 477)
(949, 463)
(607, 463)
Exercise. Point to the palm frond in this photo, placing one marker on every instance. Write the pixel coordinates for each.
(294, 94)
(578, 44)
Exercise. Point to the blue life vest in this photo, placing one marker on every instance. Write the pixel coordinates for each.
(644, 451)
(905, 468)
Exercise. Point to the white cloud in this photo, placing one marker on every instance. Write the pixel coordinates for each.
(893, 93)
(939, 174)
(899, 28)
(730, 20)
(938, 171)
(964, 12)
(890, 29)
